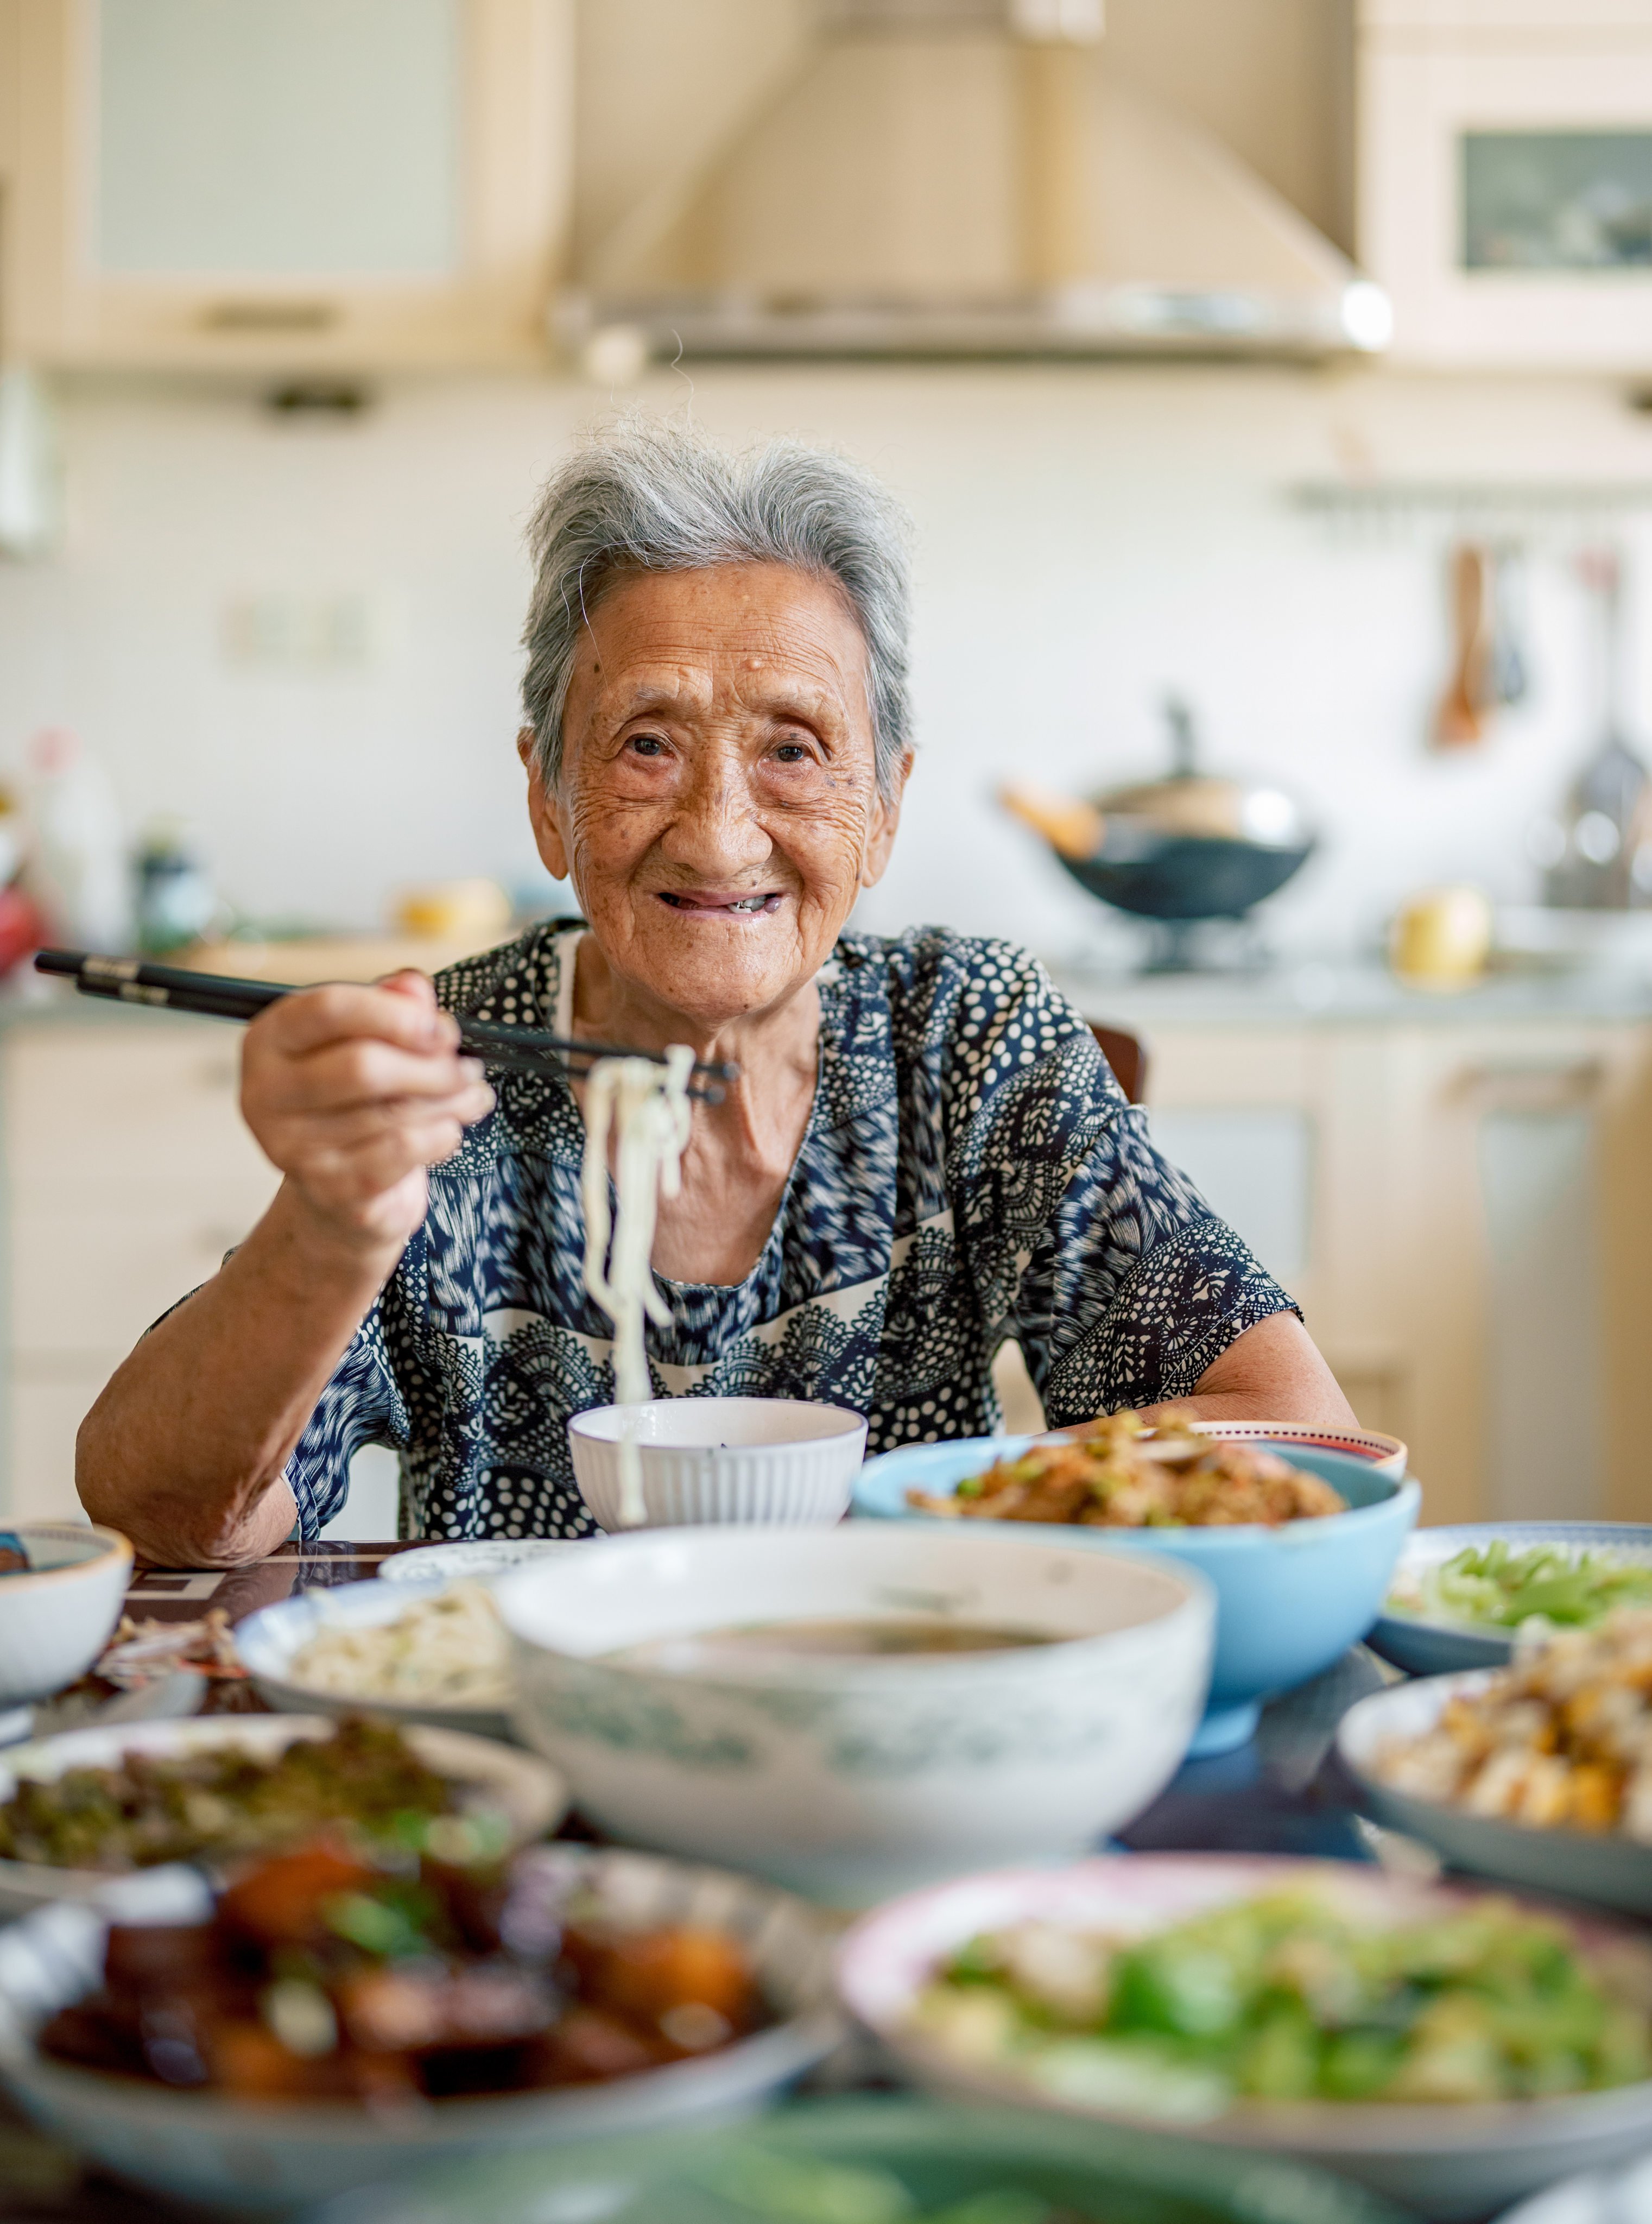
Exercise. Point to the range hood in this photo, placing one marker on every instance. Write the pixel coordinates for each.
(966, 177)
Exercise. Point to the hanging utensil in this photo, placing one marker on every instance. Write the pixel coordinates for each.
(1604, 822)
(1460, 720)
(1510, 675)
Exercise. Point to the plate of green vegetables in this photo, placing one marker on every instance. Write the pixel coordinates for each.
(1462, 1597)
(1450, 2048)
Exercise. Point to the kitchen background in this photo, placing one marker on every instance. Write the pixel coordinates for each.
(1087, 537)
(269, 572)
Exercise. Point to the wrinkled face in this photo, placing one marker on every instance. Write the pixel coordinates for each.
(717, 809)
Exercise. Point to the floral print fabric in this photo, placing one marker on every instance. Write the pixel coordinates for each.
(970, 1173)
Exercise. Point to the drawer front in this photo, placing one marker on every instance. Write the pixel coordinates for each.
(93, 1105)
(92, 1281)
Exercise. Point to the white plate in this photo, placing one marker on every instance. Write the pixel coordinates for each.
(1445, 2162)
(475, 1560)
(267, 1641)
(1603, 2198)
(1424, 1645)
(525, 1791)
(248, 2157)
(1604, 1866)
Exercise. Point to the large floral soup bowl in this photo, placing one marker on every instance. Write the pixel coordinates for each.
(848, 1776)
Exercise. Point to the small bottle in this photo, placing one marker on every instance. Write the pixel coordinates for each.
(76, 870)
(177, 904)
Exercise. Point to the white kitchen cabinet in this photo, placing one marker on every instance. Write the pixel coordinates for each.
(284, 186)
(128, 1175)
(1464, 1210)
(1505, 179)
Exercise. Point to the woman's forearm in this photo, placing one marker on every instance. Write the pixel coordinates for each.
(185, 1450)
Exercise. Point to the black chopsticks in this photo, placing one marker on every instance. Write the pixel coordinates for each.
(220, 996)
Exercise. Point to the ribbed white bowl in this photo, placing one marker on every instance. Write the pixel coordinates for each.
(713, 1460)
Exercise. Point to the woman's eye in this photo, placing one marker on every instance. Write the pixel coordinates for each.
(792, 753)
(646, 745)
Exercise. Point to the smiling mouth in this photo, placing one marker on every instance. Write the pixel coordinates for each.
(714, 905)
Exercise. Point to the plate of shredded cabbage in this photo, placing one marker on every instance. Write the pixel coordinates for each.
(1463, 1598)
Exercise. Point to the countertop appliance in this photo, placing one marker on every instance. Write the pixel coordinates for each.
(1190, 847)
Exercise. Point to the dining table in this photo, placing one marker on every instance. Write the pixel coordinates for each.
(1282, 1792)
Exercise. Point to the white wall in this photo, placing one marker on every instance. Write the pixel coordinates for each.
(1087, 536)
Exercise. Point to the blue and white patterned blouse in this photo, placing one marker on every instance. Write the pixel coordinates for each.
(970, 1173)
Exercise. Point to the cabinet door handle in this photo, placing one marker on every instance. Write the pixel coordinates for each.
(1571, 1085)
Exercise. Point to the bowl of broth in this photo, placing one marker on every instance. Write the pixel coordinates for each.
(864, 1708)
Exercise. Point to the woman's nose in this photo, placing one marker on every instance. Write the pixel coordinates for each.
(715, 830)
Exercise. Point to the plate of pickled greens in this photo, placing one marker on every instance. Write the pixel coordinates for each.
(1451, 2048)
(1465, 1596)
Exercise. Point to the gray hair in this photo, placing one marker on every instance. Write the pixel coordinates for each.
(648, 496)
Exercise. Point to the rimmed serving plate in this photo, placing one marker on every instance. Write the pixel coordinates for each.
(1386, 1454)
(1602, 1867)
(852, 2157)
(1601, 2197)
(1446, 2161)
(530, 1794)
(1430, 1645)
(251, 2156)
(267, 1641)
(475, 1560)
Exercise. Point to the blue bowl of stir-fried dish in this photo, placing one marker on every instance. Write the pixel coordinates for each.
(1300, 1545)
(1461, 1596)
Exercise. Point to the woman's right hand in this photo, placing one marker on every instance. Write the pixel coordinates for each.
(352, 1093)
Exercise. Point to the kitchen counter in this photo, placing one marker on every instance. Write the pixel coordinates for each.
(1313, 994)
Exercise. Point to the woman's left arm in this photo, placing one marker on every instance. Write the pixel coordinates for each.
(1272, 1372)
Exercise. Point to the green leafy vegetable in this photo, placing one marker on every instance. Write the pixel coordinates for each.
(1495, 1587)
(1286, 1998)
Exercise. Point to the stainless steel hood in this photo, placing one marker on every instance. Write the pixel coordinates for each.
(966, 177)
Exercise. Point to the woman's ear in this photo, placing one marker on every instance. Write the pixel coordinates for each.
(543, 815)
(885, 824)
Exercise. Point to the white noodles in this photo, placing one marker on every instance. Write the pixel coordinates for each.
(450, 1650)
(647, 1106)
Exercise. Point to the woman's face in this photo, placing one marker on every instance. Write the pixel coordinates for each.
(718, 809)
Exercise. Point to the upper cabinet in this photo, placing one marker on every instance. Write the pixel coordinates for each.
(291, 185)
(1505, 178)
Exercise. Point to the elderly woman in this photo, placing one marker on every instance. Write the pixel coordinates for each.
(925, 1153)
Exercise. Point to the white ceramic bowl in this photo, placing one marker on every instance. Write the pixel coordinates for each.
(267, 1640)
(519, 1786)
(1445, 2161)
(1604, 1866)
(851, 1777)
(277, 2155)
(55, 1619)
(722, 1459)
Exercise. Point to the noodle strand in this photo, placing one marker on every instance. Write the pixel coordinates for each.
(645, 1109)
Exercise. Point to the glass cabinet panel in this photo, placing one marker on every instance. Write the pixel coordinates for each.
(1557, 200)
(279, 138)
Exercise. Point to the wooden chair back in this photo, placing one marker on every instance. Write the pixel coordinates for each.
(1127, 1055)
